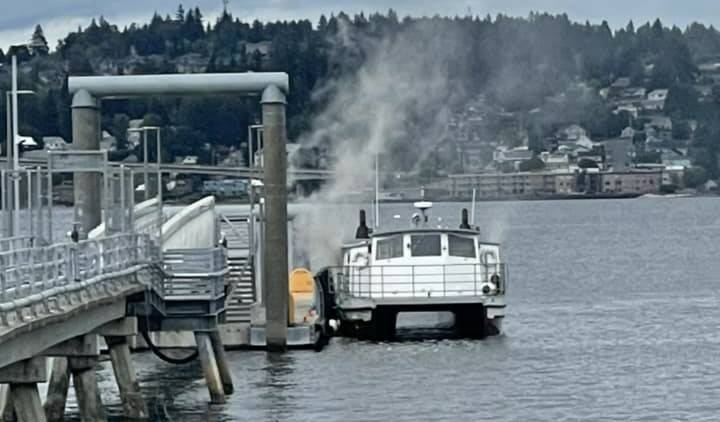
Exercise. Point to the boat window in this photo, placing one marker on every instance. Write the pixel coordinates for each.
(391, 247)
(461, 246)
(425, 245)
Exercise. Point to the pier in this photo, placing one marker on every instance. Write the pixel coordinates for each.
(127, 274)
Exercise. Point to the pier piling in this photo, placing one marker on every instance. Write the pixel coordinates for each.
(132, 400)
(275, 253)
(210, 368)
(57, 390)
(222, 362)
(26, 401)
(24, 396)
(86, 136)
(86, 389)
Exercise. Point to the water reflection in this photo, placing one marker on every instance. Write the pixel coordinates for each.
(277, 386)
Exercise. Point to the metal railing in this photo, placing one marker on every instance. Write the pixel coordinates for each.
(18, 242)
(421, 281)
(32, 277)
(199, 273)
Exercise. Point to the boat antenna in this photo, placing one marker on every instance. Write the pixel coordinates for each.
(472, 209)
(377, 190)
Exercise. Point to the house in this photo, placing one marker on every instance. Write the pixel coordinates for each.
(505, 157)
(54, 143)
(572, 133)
(660, 123)
(656, 100)
(555, 161)
(632, 181)
(631, 109)
(619, 153)
(190, 160)
(262, 47)
(191, 63)
(628, 133)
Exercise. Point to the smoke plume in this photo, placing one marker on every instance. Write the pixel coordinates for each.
(393, 105)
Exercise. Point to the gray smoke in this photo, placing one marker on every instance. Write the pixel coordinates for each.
(395, 106)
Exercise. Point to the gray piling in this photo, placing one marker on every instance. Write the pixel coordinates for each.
(133, 403)
(57, 390)
(26, 401)
(275, 253)
(86, 136)
(210, 367)
(222, 362)
(86, 389)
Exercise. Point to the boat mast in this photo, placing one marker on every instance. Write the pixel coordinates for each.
(377, 190)
(472, 209)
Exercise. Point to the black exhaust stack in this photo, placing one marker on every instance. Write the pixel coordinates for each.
(464, 218)
(362, 232)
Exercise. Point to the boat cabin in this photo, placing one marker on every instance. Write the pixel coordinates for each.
(423, 262)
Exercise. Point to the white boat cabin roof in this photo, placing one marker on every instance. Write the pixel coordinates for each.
(418, 230)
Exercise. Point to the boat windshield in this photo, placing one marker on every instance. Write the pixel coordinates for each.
(388, 248)
(425, 245)
(461, 246)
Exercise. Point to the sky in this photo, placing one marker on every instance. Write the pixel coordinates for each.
(58, 17)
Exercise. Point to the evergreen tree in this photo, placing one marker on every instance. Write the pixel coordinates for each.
(39, 44)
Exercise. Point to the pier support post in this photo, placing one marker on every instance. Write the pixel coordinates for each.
(210, 367)
(222, 362)
(7, 412)
(275, 253)
(86, 389)
(23, 378)
(132, 400)
(57, 390)
(26, 401)
(86, 136)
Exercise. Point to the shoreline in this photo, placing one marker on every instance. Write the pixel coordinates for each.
(581, 197)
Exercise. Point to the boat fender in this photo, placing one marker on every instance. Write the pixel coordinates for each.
(334, 324)
(488, 288)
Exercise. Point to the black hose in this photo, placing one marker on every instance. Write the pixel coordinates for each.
(166, 358)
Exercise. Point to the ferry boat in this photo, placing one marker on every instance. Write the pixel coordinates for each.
(419, 269)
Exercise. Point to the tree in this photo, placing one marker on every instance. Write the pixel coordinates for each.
(533, 164)
(180, 14)
(695, 177)
(682, 101)
(681, 130)
(39, 44)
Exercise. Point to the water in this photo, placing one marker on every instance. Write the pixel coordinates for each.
(613, 315)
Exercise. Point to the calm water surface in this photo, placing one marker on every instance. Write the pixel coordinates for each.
(613, 315)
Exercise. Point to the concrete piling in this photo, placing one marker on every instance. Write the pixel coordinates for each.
(26, 401)
(86, 389)
(57, 390)
(222, 362)
(132, 400)
(210, 368)
(24, 396)
(275, 254)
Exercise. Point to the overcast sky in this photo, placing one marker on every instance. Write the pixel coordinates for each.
(18, 18)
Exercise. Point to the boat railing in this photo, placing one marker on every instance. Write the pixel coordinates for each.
(422, 281)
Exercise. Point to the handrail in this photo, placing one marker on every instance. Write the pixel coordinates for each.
(37, 276)
(422, 281)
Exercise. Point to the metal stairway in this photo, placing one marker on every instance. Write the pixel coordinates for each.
(241, 296)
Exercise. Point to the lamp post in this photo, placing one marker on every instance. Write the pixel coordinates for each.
(13, 133)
